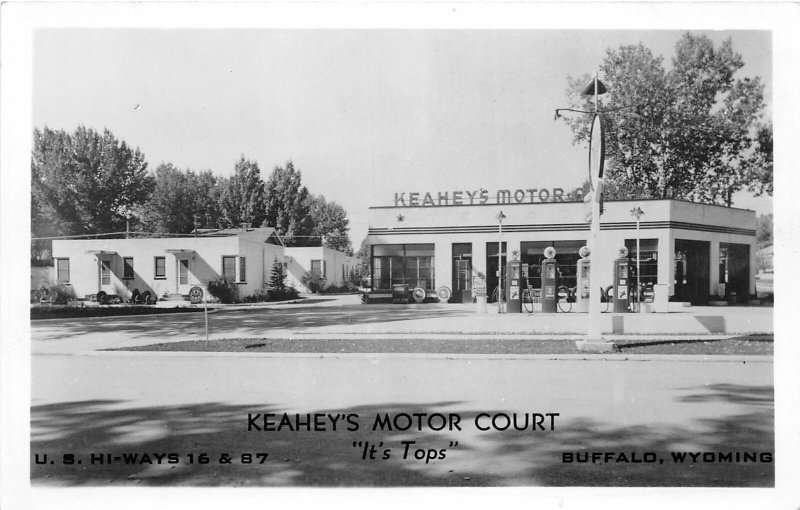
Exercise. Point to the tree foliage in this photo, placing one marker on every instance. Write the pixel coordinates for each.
(288, 207)
(85, 182)
(181, 201)
(687, 132)
(242, 196)
(764, 230)
(330, 224)
(91, 183)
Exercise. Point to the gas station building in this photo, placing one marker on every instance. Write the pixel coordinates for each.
(450, 239)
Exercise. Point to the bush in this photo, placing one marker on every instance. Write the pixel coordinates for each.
(56, 294)
(224, 290)
(339, 289)
(268, 294)
(314, 282)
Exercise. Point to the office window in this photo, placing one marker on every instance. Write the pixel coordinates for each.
(62, 270)
(242, 268)
(161, 267)
(105, 272)
(229, 268)
(403, 264)
(127, 268)
(648, 263)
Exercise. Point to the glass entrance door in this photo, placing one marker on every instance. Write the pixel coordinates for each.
(692, 271)
(462, 273)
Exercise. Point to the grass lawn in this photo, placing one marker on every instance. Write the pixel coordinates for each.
(72, 312)
(743, 345)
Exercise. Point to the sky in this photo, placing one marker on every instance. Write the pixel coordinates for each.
(361, 113)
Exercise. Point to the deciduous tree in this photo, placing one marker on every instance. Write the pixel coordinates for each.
(687, 132)
(242, 197)
(330, 224)
(288, 207)
(85, 182)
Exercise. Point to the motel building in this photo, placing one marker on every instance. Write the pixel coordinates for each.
(168, 268)
(446, 243)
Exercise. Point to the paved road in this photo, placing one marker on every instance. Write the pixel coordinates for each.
(85, 401)
(77, 335)
(195, 403)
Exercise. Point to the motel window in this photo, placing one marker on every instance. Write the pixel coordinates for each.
(127, 268)
(648, 260)
(62, 270)
(318, 268)
(242, 270)
(403, 264)
(161, 267)
(105, 272)
(229, 268)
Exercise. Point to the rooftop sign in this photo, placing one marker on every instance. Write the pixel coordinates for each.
(482, 196)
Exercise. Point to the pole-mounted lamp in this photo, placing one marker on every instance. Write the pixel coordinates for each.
(637, 212)
(500, 218)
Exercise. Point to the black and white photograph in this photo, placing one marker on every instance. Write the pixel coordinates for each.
(521, 251)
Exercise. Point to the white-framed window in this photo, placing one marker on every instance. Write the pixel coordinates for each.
(127, 268)
(318, 268)
(229, 267)
(160, 270)
(62, 270)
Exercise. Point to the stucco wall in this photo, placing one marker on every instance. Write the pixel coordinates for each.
(665, 220)
(299, 259)
(204, 255)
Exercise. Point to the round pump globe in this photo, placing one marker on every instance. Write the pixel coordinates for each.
(584, 252)
(549, 252)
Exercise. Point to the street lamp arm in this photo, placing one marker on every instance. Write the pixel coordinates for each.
(608, 110)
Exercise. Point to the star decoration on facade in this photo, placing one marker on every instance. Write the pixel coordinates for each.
(400, 217)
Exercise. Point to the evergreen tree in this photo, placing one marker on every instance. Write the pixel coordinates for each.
(277, 279)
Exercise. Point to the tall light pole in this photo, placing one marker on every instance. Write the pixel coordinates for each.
(637, 211)
(594, 335)
(500, 218)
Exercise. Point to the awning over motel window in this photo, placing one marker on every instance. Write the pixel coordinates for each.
(101, 252)
(179, 251)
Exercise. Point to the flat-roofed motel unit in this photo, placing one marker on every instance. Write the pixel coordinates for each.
(170, 266)
(432, 240)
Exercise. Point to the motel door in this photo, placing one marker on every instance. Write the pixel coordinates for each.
(183, 276)
(105, 277)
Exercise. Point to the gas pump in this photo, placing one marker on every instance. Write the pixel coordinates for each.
(549, 281)
(584, 286)
(621, 280)
(514, 285)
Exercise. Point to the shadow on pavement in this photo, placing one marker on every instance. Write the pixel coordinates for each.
(491, 458)
(254, 322)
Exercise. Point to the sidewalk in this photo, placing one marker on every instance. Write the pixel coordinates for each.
(684, 321)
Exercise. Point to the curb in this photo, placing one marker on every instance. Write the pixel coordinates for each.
(697, 358)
